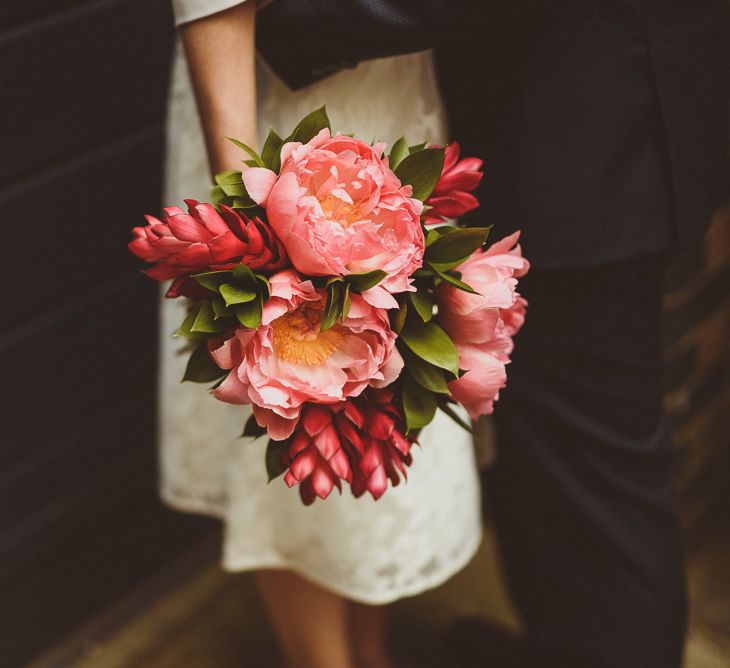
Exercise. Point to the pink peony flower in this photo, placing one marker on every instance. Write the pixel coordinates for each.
(482, 325)
(288, 361)
(451, 198)
(184, 243)
(339, 210)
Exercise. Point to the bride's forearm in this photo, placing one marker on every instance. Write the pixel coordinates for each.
(221, 57)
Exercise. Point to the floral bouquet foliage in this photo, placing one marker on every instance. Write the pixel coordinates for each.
(330, 288)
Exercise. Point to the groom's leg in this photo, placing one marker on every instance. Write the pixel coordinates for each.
(582, 488)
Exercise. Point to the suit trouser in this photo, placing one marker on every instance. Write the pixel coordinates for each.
(582, 488)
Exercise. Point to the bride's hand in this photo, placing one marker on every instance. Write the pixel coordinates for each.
(220, 51)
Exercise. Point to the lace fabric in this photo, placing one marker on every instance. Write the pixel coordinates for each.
(421, 532)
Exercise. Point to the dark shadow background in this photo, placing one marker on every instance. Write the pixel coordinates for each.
(82, 93)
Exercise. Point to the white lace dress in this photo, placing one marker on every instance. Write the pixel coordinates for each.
(421, 532)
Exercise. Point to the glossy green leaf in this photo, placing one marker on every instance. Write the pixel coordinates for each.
(205, 320)
(422, 302)
(185, 329)
(430, 342)
(228, 176)
(235, 294)
(333, 306)
(200, 367)
(422, 170)
(249, 313)
(425, 374)
(419, 405)
(397, 153)
(310, 126)
(234, 190)
(417, 147)
(245, 276)
(453, 280)
(271, 152)
(220, 310)
(275, 458)
(254, 156)
(457, 246)
(398, 318)
(362, 282)
(213, 279)
(346, 303)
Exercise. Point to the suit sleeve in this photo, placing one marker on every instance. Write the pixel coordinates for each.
(190, 10)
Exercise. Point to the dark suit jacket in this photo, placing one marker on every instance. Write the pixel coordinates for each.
(602, 123)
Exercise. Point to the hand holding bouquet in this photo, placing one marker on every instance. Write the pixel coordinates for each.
(328, 290)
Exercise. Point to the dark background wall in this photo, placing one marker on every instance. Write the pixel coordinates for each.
(82, 90)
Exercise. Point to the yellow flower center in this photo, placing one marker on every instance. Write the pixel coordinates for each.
(339, 211)
(298, 339)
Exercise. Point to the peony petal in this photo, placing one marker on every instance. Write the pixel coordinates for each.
(258, 182)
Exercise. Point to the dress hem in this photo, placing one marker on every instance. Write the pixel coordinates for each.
(276, 562)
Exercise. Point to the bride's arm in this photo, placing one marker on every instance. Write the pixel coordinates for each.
(221, 58)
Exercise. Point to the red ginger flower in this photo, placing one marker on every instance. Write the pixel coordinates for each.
(386, 452)
(360, 441)
(452, 198)
(185, 243)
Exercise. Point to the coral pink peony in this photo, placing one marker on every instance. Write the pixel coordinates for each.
(482, 325)
(340, 210)
(184, 243)
(451, 198)
(288, 361)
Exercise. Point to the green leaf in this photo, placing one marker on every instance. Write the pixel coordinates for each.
(446, 408)
(205, 321)
(275, 458)
(425, 374)
(419, 405)
(245, 276)
(430, 342)
(422, 303)
(457, 283)
(220, 310)
(362, 282)
(271, 152)
(249, 313)
(228, 177)
(417, 147)
(333, 306)
(234, 294)
(185, 329)
(422, 170)
(255, 156)
(398, 318)
(235, 190)
(213, 279)
(455, 247)
(434, 233)
(397, 153)
(201, 368)
(252, 428)
(310, 126)
(346, 303)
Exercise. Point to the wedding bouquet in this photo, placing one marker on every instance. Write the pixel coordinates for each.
(331, 290)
